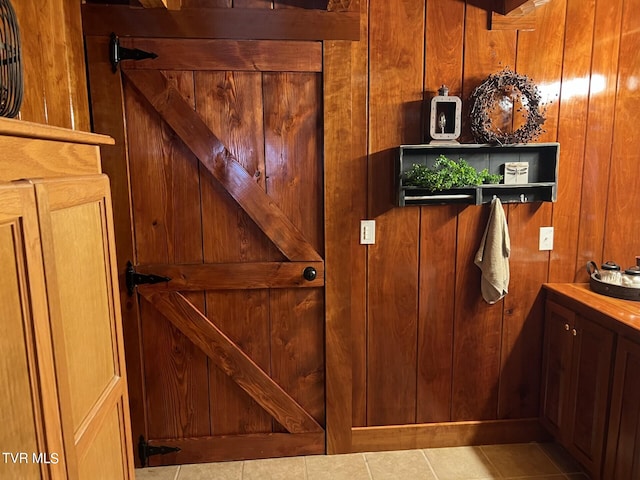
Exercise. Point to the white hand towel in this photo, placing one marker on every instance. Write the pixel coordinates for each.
(493, 255)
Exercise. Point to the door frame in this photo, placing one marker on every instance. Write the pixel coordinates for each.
(340, 216)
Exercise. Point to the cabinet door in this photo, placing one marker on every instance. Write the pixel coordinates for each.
(623, 441)
(556, 366)
(79, 263)
(30, 435)
(589, 393)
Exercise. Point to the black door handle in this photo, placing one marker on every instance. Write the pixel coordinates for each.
(310, 273)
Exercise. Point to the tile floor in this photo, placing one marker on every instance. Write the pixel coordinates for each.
(524, 461)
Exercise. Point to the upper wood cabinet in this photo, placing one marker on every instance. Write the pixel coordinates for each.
(63, 372)
(577, 362)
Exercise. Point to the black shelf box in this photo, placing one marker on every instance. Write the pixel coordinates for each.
(542, 159)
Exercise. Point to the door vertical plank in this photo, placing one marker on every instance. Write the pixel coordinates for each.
(438, 227)
(477, 325)
(621, 240)
(598, 159)
(293, 151)
(168, 229)
(395, 106)
(229, 235)
(572, 133)
(523, 306)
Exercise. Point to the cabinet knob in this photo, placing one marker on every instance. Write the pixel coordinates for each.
(566, 327)
(574, 332)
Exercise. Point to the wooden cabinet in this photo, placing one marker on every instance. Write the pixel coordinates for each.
(27, 376)
(556, 366)
(623, 441)
(64, 399)
(577, 361)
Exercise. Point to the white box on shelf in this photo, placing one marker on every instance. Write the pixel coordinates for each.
(516, 173)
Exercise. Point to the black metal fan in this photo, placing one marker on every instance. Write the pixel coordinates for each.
(10, 62)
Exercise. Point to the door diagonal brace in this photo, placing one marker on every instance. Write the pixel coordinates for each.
(214, 155)
(234, 362)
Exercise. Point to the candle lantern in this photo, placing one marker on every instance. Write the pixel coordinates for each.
(445, 119)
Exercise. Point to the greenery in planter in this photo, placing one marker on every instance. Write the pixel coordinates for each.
(446, 174)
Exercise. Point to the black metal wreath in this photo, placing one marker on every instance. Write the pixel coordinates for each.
(11, 84)
(506, 83)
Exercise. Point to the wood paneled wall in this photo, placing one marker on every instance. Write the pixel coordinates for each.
(422, 347)
(427, 348)
(55, 86)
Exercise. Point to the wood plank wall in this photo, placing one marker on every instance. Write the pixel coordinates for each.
(425, 347)
(55, 86)
(429, 349)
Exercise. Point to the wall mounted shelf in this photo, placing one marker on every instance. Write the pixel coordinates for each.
(542, 160)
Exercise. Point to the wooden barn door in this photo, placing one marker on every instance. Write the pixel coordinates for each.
(224, 158)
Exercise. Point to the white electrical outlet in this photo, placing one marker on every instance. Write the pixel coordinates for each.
(546, 238)
(367, 232)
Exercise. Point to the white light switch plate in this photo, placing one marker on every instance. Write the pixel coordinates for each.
(367, 232)
(546, 238)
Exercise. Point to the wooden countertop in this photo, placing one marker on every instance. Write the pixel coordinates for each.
(33, 150)
(622, 316)
(19, 128)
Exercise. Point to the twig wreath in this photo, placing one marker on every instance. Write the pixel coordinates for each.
(506, 84)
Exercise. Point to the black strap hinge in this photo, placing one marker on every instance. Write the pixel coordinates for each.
(118, 53)
(134, 278)
(145, 450)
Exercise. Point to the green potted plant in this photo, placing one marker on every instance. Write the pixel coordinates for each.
(447, 174)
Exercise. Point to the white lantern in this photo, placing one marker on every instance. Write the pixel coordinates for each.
(445, 120)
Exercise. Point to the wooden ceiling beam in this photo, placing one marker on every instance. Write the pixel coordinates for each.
(229, 23)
